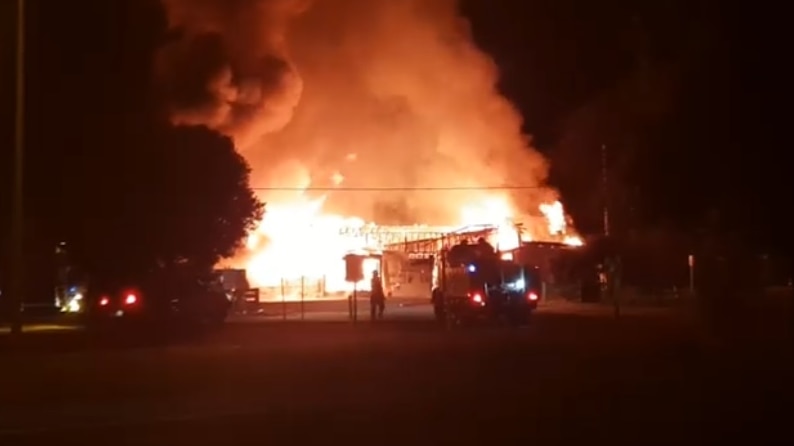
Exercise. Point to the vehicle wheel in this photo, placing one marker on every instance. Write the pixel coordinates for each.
(438, 312)
(466, 322)
(437, 300)
(450, 319)
(460, 319)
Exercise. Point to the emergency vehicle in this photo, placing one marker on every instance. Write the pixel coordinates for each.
(473, 283)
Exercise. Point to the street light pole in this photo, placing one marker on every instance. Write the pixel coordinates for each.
(609, 263)
(18, 222)
(605, 188)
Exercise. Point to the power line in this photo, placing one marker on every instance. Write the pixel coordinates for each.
(394, 189)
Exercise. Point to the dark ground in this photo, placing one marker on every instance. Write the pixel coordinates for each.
(573, 377)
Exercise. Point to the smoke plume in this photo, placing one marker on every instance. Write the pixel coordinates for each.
(382, 93)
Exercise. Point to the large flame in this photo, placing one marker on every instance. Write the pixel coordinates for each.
(379, 94)
(298, 241)
(558, 223)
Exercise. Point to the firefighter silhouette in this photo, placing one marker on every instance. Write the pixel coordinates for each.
(377, 298)
(484, 248)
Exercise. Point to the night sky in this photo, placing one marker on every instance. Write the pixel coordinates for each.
(658, 84)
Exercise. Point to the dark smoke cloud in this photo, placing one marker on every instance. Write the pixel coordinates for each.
(391, 93)
(227, 65)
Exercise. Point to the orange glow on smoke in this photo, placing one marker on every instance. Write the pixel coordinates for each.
(356, 93)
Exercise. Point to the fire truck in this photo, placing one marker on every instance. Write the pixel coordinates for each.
(472, 282)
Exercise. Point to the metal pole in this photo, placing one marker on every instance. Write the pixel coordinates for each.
(605, 185)
(350, 306)
(17, 225)
(355, 302)
(691, 261)
(283, 302)
(608, 262)
(442, 281)
(519, 230)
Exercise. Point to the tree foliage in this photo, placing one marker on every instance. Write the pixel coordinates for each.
(207, 203)
(105, 172)
(662, 122)
(159, 198)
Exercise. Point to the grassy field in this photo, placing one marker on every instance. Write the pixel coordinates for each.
(575, 375)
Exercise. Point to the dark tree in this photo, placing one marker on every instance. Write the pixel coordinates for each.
(163, 198)
(7, 78)
(87, 74)
(104, 172)
(206, 202)
(663, 123)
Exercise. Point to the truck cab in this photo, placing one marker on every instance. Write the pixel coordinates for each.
(472, 283)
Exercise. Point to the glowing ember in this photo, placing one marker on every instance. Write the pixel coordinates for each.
(558, 223)
(555, 215)
(337, 178)
(573, 240)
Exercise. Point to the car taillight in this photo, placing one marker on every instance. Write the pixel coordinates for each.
(477, 298)
(532, 296)
(103, 301)
(130, 299)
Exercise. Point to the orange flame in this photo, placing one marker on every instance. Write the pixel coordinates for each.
(297, 240)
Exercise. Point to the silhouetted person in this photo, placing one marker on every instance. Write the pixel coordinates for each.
(485, 247)
(485, 251)
(377, 299)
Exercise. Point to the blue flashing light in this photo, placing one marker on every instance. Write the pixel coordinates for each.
(472, 268)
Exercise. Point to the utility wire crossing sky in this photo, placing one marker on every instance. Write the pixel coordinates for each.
(397, 189)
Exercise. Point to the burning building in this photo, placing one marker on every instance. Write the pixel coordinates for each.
(362, 120)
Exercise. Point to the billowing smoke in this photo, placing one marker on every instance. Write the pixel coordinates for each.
(382, 93)
(228, 67)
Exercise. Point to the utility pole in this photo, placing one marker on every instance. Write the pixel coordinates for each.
(605, 188)
(609, 261)
(18, 221)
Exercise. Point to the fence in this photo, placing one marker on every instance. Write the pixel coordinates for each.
(293, 290)
(293, 298)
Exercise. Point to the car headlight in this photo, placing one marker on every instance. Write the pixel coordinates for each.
(74, 306)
